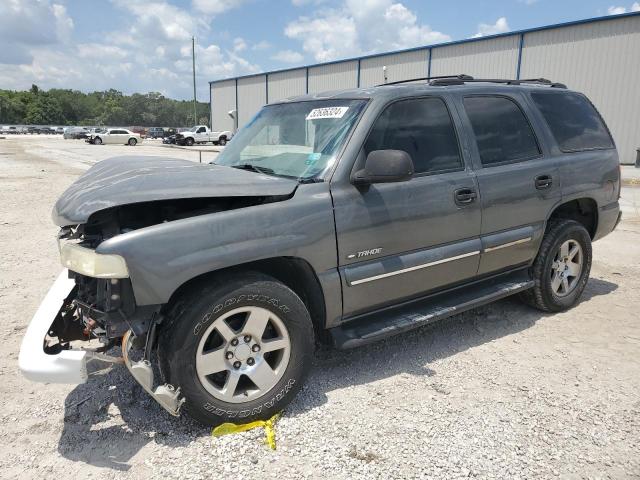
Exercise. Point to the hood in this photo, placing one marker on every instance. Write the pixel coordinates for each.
(126, 180)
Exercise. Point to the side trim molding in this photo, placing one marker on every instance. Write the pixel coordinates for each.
(510, 244)
(417, 267)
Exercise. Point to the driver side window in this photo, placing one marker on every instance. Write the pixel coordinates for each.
(423, 128)
(201, 130)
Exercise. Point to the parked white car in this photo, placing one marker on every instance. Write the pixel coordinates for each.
(118, 136)
(202, 134)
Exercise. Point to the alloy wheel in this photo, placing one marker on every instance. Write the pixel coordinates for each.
(566, 268)
(243, 354)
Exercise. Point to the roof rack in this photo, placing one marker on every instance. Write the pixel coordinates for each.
(461, 79)
(441, 77)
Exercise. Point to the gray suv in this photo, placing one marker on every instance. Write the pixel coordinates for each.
(342, 217)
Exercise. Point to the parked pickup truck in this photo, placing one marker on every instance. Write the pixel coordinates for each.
(342, 218)
(202, 134)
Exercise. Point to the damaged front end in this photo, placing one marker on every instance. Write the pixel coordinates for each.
(95, 311)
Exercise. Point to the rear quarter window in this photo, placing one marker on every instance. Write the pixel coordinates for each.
(573, 120)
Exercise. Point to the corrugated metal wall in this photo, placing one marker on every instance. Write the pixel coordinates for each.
(601, 60)
(400, 66)
(492, 58)
(252, 95)
(333, 76)
(287, 84)
(223, 99)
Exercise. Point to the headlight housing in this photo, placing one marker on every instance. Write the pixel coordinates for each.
(87, 262)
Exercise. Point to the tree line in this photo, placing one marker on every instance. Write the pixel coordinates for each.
(110, 108)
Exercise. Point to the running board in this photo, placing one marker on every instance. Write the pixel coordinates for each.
(392, 321)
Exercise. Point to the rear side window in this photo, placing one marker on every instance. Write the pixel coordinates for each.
(574, 122)
(422, 127)
(502, 132)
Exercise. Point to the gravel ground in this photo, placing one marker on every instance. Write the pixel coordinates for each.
(500, 392)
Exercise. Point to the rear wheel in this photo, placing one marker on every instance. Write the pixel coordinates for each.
(561, 269)
(132, 142)
(239, 349)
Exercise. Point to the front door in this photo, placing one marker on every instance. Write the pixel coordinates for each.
(519, 182)
(201, 135)
(399, 241)
(116, 137)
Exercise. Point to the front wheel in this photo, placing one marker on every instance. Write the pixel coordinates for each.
(239, 349)
(561, 269)
(222, 141)
(189, 142)
(97, 141)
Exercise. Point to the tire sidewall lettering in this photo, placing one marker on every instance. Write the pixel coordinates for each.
(255, 410)
(216, 309)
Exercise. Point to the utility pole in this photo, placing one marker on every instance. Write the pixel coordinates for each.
(195, 104)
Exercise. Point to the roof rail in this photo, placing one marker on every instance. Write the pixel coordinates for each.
(503, 81)
(461, 79)
(426, 79)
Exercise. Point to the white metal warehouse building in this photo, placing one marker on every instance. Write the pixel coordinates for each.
(599, 57)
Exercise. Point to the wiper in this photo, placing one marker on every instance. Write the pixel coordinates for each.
(310, 180)
(254, 168)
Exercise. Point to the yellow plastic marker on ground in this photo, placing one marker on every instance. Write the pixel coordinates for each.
(269, 429)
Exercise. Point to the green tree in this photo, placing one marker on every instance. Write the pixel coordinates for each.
(44, 110)
(110, 107)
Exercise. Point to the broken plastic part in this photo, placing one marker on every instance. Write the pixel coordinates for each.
(166, 395)
(269, 429)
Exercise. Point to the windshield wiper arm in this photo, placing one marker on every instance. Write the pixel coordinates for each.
(310, 180)
(254, 168)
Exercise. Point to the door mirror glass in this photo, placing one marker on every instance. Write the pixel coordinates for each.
(385, 166)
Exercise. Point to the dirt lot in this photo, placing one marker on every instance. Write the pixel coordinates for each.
(500, 392)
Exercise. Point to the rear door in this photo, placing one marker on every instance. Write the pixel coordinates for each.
(519, 180)
(398, 241)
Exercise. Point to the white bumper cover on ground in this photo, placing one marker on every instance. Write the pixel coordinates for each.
(68, 366)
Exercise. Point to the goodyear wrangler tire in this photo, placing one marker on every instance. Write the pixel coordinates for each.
(239, 348)
(561, 269)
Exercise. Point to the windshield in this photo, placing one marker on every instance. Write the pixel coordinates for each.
(298, 140)
(192, 129)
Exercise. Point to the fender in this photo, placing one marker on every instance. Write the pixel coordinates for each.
(161, 258)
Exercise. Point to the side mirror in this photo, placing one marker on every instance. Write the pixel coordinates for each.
(385, 166)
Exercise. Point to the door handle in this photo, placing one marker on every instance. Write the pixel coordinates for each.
(464, 196)
(543, 181)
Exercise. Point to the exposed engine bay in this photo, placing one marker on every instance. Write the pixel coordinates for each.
(105, 308)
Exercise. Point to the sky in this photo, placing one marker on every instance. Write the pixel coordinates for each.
(144, 45)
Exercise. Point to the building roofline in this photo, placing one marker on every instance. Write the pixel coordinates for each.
(437, 45)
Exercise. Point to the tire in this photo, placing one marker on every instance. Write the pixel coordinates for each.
(132, 142)
(222, 141)
(558, 283)
(97, 141)
(194, 325)
(189, 142)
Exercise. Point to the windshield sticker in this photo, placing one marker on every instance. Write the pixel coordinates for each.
(327, 112)
(312, 158)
